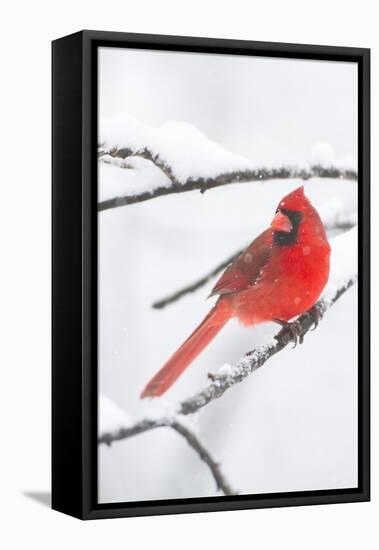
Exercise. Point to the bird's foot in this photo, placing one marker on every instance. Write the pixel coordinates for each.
(294, 330)
(316, 314)
(211, 376)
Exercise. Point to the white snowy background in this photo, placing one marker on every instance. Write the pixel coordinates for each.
(292, 425)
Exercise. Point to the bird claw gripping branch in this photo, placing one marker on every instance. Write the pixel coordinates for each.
(316, 315)
(293, 329)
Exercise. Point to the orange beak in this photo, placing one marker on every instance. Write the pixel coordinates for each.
(281, 223)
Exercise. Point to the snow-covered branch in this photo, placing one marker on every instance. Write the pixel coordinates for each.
(205, 183)
(115, 433)
(256, 358)
(116, 157)
(343, 275)
(221, 382)
(176, 158)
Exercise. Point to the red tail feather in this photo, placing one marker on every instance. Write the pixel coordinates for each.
(187, 352)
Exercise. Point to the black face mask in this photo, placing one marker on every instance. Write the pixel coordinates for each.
(283, 238)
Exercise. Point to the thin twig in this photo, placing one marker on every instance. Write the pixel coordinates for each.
(139, 427)
(192, 287)
(144, 153)
(205, 183)
(252, 361)
(160, 304)
(194, 442)
(220, 479)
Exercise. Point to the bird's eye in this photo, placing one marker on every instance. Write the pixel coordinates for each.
(277, 210)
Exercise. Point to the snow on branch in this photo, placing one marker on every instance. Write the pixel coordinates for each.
(115, 425)
(203, 184)
(111, 416)
(256, 358)
(343, 275)
(185, 160)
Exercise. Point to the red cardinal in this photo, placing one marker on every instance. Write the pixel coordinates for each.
(279, 276)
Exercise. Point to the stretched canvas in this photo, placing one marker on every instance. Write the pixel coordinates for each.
(211, 274)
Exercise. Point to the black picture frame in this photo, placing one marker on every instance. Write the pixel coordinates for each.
(74, 272)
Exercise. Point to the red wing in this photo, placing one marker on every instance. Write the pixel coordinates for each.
(245, 269)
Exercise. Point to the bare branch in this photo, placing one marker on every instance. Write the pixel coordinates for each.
(139, 427)
(252, 361)
(205, 183)
(340, 225)
(192, 287)
(221, 482)
(194, 442)
(160, 304)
